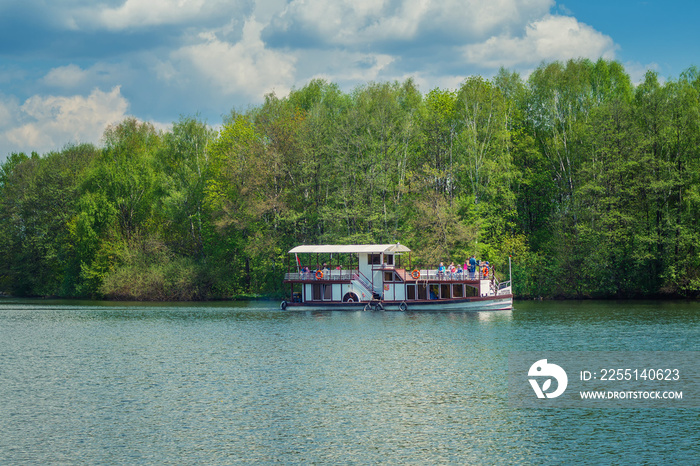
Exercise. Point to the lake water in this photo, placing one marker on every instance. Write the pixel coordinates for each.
(115, 383)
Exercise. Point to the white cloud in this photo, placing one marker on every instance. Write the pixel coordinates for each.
(342, 22)
(72, 78)
(551, 38)
(141, 14)
(65, 76)
(478, 18)
(355, 22)
(344, 67)
(265, 9)
(48, 123)
(137, 13)
(402, 25)
(244, 68)
(8, 111)
(427, 82)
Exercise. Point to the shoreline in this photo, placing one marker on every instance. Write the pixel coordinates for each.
(244, 298)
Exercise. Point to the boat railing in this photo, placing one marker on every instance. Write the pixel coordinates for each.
(432, 275)
(364, 283)
(362, 280)
(436, 275)
(344, 275)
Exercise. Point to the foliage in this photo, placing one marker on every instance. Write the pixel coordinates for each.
(591, 185)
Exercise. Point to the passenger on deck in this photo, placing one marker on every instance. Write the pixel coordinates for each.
(485, 270)
(452, 269)
(472, 267)
(441, 270)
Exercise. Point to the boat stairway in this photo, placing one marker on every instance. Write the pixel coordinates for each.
(364, 284)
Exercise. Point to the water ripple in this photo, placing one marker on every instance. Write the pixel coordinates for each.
(246, 383)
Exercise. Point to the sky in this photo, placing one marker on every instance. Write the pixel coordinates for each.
(70, 68)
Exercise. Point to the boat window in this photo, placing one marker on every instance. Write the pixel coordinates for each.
(374, 259)
(422, 292)
(411, 292)
(470, 291)
(322, 292)
(457, 291)
(434, 292)
(389, 259)
(444, 291)
(391, 277)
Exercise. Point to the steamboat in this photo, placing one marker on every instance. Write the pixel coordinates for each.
(381, 277)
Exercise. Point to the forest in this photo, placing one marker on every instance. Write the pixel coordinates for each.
(588, 182)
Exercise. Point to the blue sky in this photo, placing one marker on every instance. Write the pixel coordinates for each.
(70, 68)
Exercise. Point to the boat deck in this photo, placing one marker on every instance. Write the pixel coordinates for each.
(346, 276)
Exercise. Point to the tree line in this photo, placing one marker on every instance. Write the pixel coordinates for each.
(589, 182)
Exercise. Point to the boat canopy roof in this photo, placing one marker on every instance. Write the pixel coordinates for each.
(351, 248)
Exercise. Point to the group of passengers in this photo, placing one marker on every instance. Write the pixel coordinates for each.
(471, 269)
(319, 272)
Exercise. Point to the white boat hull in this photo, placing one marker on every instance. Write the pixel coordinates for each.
(492, 303)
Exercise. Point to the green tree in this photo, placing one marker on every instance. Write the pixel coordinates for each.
(370, 164)
(236, 197)
(38, 197)
(125, 173)
(120, 195)
(439, 126)
(560, 101)
(183, 159)
(652, 115)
